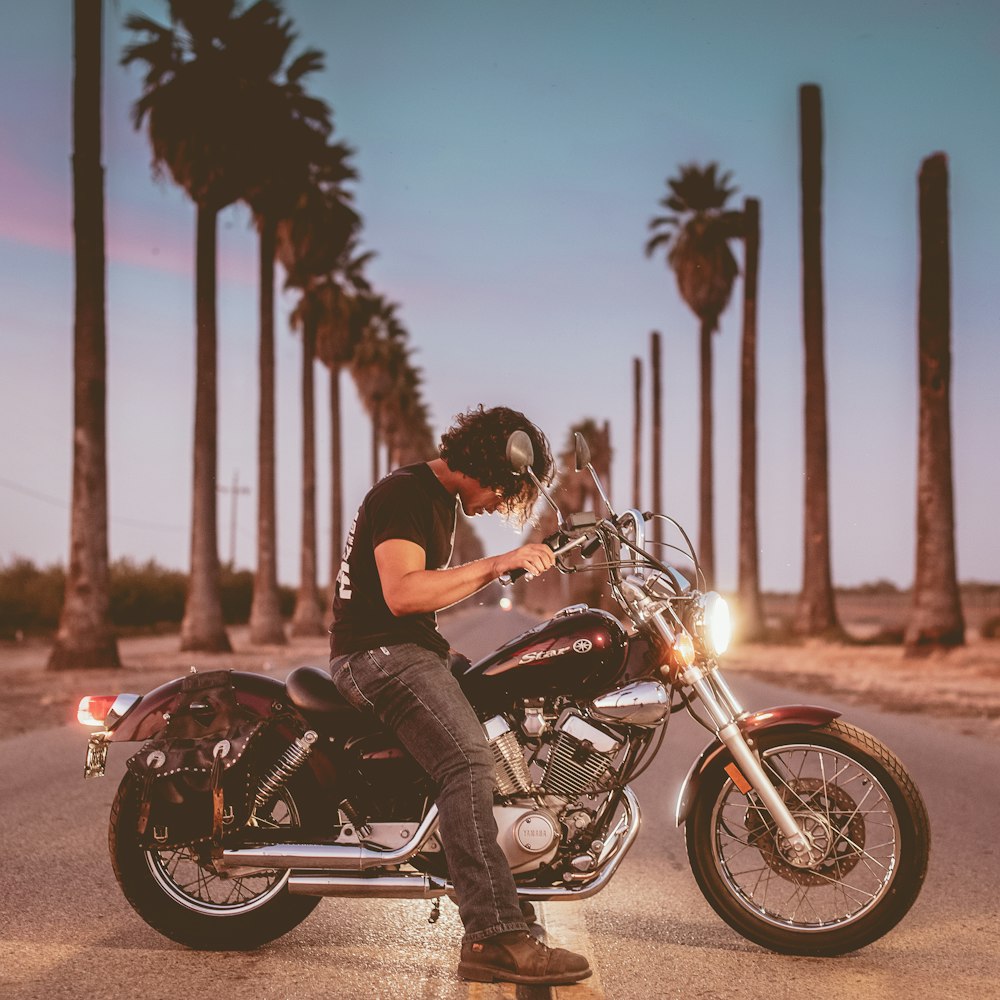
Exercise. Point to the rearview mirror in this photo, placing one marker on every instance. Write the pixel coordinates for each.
(582, 452)
(520, 453)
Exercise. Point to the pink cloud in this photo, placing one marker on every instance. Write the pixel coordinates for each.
(38, 212)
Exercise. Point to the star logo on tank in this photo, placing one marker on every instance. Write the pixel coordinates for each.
(582, 646)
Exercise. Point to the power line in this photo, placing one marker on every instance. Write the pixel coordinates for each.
(57, 502)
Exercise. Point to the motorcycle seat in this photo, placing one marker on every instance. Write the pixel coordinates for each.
(312, 690)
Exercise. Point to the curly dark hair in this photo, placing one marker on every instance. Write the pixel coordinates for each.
(476, 445)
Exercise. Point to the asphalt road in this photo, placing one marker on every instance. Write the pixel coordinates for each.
(66, 931)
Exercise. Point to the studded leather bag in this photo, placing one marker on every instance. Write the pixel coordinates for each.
(194, 780)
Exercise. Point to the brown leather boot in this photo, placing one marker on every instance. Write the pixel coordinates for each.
(517, 957)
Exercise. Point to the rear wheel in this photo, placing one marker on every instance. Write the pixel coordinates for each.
(178, 896)
(868, 836)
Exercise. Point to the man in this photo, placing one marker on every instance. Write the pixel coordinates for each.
(388, 657)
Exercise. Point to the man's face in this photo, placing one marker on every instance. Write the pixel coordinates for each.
(479, 499)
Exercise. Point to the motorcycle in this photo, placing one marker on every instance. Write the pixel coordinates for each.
(251, 799)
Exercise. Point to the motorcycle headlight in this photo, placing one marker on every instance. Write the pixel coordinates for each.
(713, 622)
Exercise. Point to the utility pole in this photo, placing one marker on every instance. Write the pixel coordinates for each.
(236, 491)
(636, 433)
(657, 434)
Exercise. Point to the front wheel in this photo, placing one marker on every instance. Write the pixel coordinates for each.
(185, 901)
(868, 836)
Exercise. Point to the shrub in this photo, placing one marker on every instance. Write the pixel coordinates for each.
(30, 598)
(142, 596)
(990, 629)
(146, 594)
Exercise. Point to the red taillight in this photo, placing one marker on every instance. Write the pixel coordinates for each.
(94, 709)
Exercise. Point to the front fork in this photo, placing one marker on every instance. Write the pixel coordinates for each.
(725, 710)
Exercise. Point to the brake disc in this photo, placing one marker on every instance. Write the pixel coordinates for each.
(831, 821)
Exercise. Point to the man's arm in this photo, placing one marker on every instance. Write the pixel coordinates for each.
(409, 588)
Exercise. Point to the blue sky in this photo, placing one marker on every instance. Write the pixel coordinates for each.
(511, 155)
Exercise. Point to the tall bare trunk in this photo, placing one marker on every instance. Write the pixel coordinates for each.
(308, 616)
(936, 621)
(202, 627)
(336, 479)
(376, 437)
(654, 361)
(266, 626)
(637, 433)
(706, 498)
(84, 638)
(816, 613)
(751, 610)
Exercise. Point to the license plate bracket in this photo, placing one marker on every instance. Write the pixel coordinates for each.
(97, 755)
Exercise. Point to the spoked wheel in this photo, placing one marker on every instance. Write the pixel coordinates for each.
(867, 833)
(175, 893)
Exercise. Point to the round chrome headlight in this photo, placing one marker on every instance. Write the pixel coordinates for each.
(713, 622)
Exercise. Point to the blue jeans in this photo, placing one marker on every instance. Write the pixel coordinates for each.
(412, 691)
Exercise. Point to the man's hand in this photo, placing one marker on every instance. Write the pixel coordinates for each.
(535, 558)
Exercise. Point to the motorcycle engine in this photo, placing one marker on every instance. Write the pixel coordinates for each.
(580, 754)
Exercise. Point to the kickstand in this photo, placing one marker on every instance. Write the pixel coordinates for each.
(435, 911)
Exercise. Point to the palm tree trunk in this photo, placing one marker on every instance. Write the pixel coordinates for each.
(376, 436)
(336, 480)
(816, 612)
(936, 621)
(706, 498)
(654, 361)
(265, 610)
(84, 638)
(308, 617)
(751, 610)
(202, 627)
(637, 433)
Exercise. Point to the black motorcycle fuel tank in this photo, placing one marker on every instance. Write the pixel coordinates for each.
(578, 653)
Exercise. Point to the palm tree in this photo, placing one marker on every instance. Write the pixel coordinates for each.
(405, 422)
(343, 315)
(751, 610)
(937, 621)
(84, 638)
(817, 615)
(293, 129)
(204, 75)
(697, 233)
(377, 363)
(311, 241)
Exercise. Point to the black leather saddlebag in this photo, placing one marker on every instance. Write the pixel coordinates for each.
(196, 780)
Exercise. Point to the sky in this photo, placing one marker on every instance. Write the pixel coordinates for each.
(511, 155)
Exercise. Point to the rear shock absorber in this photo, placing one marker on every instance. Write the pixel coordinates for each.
(291, 760)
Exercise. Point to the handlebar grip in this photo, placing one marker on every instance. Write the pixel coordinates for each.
(509, 577)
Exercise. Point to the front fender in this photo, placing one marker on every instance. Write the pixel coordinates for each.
(781, 717)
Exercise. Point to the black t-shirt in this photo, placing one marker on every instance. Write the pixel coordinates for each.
(410, 504)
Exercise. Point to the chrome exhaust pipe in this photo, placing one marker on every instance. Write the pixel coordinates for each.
(416, 886)
(331, 857)
(379, 886)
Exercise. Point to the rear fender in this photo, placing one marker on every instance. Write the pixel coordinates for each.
(261, 695)
(791, 717)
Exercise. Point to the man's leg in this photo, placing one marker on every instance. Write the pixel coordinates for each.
(414, 694)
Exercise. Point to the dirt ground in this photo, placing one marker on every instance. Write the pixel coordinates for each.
(961, 687)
